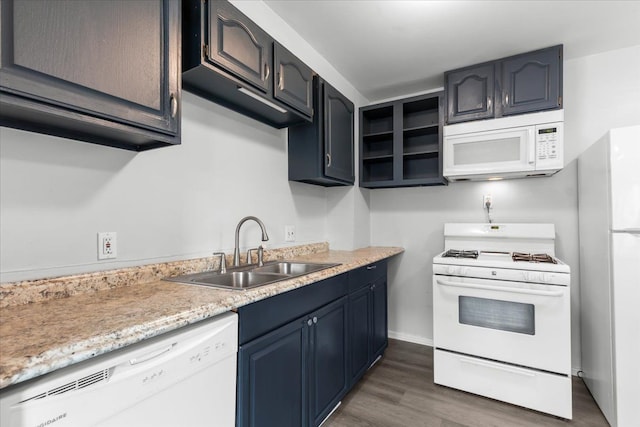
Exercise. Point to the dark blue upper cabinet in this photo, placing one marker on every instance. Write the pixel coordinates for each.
(321, 152)
(470, 93)
(239, 46)
(338, 135)
(93, 71)
(228, 59)
(293, 80)
(518, 84)
(532, 82)
(401, 142)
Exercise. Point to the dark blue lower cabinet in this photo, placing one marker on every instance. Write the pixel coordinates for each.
(294, 375)
(272, 385)
(359, 332)
(368, 334)
(379, 328)
(328, 359)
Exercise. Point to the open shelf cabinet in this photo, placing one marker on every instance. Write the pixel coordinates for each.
(401, 142)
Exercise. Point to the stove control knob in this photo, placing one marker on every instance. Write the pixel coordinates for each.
(544, 278)
(526, 276)
(452, 270)
(463, 271)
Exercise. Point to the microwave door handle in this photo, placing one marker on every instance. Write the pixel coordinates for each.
(532, 145)
(499, 288)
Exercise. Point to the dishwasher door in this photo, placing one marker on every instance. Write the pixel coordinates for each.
(185, 377)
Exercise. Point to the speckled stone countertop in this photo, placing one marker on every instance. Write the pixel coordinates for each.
(41, 334)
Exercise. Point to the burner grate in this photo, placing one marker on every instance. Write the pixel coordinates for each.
(520, 256)
(455, 253)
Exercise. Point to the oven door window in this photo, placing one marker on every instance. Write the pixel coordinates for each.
(495, 314)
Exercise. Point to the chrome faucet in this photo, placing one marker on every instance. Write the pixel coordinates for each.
(236, 251)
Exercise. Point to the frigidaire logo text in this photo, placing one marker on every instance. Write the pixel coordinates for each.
(52, 420)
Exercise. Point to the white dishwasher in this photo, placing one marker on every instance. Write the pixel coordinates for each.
(185, 378)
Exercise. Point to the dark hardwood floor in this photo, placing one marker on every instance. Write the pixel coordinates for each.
(399, 392)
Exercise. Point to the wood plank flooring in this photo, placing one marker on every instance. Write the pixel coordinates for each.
(399, 392)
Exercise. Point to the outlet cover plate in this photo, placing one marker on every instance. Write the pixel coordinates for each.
(107, 245)
(289, 233)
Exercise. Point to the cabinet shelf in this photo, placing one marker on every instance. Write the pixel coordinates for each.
(377, 169)
(382, 157)
(422, 153)
(377, 121)
(419, 113)
(420, 129)
(380, 145)
(377, 135)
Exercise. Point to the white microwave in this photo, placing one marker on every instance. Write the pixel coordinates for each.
(510, 147)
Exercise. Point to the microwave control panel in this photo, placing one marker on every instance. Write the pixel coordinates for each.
(549, 145)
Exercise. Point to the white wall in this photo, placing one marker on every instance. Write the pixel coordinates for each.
(600, 92)
(170, 203)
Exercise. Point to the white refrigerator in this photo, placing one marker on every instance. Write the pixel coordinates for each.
(609, 211)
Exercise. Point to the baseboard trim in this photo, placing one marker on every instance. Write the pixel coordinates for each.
(410, 338)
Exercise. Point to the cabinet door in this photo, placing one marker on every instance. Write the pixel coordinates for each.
(272, 386)
(470, 93)
(293, 80)
(359, 333)
(239, 46)
(338, 135)
(102, 60)
(532, 82)
(328, 359)
(379, 317)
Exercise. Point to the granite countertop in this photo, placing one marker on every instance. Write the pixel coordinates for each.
(52, 333)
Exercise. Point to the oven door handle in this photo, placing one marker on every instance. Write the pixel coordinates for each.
(500, 288)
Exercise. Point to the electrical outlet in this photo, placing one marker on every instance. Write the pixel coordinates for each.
(289, 233)
(487, 201)
(107, 245)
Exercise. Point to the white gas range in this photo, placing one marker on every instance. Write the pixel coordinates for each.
(502, 315)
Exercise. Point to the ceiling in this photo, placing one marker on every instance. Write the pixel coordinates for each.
(395, 48)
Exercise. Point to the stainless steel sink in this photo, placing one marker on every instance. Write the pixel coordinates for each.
(251, 276)
(291, 268)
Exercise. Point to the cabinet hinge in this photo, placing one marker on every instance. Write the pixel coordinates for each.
(559, 100)
(205, 50)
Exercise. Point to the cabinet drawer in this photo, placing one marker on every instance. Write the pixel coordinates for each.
(366, 275)
(263, 316)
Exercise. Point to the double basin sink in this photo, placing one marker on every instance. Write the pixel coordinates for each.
(251, 276)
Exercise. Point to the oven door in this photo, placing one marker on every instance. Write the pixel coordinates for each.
(514, 322)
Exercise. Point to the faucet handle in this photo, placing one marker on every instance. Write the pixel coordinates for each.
(260, 251)
(223, 261)
(249, 254)
(261, 255)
